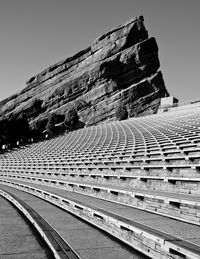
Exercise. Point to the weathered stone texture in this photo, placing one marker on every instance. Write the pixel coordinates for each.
(120, 66)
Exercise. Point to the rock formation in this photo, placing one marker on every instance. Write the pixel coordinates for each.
(121, 66)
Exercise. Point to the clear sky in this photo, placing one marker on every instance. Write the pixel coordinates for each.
(35, 34)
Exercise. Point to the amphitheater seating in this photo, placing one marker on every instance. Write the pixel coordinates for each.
(150, 163)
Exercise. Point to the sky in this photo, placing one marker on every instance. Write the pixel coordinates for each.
(37, 34)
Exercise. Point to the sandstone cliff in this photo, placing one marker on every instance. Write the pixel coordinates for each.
(120, 66)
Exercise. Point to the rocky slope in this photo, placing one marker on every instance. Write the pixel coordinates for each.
(120, 66)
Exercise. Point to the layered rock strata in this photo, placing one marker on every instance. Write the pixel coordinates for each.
(120, 66)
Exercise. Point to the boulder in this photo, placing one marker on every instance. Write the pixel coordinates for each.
(120, 66)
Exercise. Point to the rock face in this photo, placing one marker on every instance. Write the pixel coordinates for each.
(120, 66)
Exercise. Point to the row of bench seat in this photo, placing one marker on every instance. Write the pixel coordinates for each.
(150, 162)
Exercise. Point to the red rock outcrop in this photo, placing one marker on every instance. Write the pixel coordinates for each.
(120, 66)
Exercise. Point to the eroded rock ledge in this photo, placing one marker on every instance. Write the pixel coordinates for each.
(120, 66)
